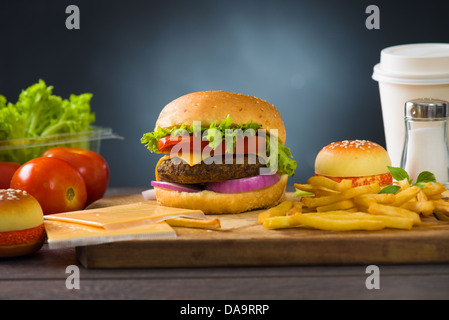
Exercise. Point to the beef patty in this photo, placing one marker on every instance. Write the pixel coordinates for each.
(178, 171)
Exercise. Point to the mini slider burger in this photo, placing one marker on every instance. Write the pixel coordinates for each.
(224, 153)
(362, 161)
(22, 229)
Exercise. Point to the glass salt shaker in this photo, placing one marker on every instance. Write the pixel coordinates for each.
(426, 139)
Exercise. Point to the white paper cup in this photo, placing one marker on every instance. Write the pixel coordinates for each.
(408, 72)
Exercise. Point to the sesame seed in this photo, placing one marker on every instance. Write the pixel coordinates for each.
(11, 194)
(357, 144)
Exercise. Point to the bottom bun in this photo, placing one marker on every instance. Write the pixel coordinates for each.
(21, 242)
(219, 203)
(23, 249)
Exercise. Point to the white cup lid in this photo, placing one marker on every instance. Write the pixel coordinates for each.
(419, 64)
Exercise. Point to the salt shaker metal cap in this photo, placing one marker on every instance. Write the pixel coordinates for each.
(426, 109)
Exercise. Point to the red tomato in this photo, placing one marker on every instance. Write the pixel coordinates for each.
(56, 184)
(252, 144)
(92, 166)
(165, 144)
(7, 170)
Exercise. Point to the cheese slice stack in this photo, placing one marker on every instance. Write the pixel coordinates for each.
(69, 235)
(117, 223)
(125, 216)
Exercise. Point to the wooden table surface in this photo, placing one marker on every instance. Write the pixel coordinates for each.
(43, 276)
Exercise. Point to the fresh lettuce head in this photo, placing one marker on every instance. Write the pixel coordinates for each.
(38, 113)
(285, 162)
(48, 114)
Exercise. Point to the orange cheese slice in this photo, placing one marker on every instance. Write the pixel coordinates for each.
(64, 234)
(166, 157)
(124, 216)
(191, 158)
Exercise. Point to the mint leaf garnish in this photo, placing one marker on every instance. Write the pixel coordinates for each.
(426, 176)
(390, 189)
(400, 174)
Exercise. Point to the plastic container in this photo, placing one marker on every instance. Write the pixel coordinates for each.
(408, 72)
(23, 150)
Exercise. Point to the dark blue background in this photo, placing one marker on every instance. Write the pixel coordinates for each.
(312, 59)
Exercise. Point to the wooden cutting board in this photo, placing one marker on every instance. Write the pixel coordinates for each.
(243, 242)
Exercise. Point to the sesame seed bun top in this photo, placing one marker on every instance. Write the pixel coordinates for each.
(210, 106)
(19, 210)
(352, 158)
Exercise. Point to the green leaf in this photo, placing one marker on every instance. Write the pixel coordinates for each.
(300, 193)
(150, 139)
(390, 189)
(426, 176)
(40, 113)
(285, 162)
(2, 102)
(225, 124)
(284, 159)
(398, 174)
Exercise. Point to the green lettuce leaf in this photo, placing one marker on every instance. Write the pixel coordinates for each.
(284, 159)
(12, 122)
(40, 113)
(48, 114)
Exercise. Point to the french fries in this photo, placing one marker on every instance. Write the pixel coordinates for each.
(435, 189)
(363, 201)
(329, 183)
(318, 191)
(194, 223)
(425, 207)
(330, 223)
(393, 211)
(344, 195)
(281, 222)
(279, 210)
(441, 206)
(338, 206)
(404, 195)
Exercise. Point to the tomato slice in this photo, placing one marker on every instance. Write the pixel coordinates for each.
(251, 144)
(165, 144)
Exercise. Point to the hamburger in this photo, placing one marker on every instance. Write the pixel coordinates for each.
(223, 153)
(362, 161)
(22, 229)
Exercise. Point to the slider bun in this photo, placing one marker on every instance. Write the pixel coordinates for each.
(21, 223)
(19, 210)
(352, 158)
(210, 106)
(219, 203)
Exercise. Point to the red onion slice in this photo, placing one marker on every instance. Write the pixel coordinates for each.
(176, 186)
(244, 184)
